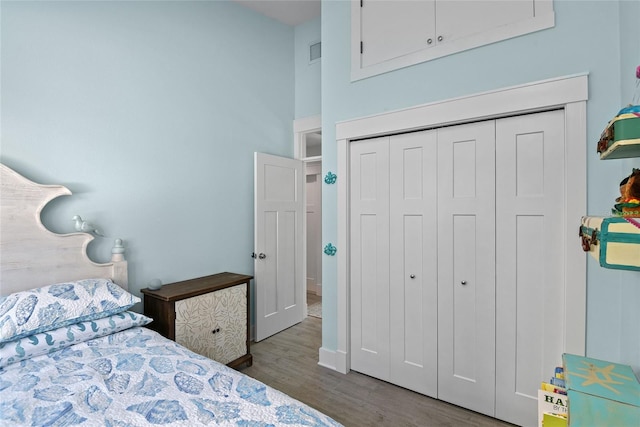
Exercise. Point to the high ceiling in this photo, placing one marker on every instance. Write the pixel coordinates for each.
(290, 12)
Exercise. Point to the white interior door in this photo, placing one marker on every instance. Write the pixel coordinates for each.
(279, 268)
(370, 257)
(413, 262)
(391, 29)
(530, 244)
(466, 266)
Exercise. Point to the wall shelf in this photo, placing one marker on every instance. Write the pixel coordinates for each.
(622, 150)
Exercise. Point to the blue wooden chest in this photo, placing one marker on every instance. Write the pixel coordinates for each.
(601, 393)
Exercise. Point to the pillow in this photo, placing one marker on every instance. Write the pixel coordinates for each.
(54, 306)
(57, 339)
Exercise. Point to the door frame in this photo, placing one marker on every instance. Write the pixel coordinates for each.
(569, 93)
(312, 167)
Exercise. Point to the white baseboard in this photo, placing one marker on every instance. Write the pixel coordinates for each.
(327, 358)
(336, 360)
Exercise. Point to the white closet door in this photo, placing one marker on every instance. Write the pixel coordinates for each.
(391, 29)
(370, 257)
(530, 272)
(413, 262)
(466, 266)
(457, 19)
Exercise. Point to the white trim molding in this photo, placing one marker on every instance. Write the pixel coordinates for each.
(569, 93)
(301, 127)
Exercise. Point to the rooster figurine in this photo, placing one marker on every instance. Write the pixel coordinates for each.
(85, 227)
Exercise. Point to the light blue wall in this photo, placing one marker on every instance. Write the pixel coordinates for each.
(585, 39)
(630, 90)
(150, 113)
(307, 73)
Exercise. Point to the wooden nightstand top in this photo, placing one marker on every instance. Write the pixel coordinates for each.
(194, 287)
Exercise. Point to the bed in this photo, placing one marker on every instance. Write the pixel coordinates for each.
(73, 353)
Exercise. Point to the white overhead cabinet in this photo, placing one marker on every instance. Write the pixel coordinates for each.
(457, 280)
(391, 34)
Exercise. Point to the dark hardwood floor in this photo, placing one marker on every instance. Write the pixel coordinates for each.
(288, 362)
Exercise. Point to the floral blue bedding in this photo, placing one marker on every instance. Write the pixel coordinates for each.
(136, 377)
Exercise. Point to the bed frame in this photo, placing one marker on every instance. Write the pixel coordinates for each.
(32, 256)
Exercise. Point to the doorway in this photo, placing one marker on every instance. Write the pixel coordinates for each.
(308, 148)
(313, 171)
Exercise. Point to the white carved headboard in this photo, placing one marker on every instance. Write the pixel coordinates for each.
(32, 256)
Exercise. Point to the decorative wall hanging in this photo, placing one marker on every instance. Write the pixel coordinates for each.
(330, 250)
(330, 178)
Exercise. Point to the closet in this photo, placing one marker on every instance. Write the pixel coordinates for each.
(457, 266)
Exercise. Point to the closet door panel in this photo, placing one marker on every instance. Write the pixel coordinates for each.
(466, 266)
(391, 29)
(530, 246)
(370, 257)
(413, 262)
(459, 18)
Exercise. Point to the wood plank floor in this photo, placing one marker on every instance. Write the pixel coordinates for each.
(288, 362)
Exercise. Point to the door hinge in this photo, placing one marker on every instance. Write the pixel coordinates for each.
(361, 48)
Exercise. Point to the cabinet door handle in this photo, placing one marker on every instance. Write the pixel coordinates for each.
(429, 41)
(261, 255)
(413, 276)
(440, 38)
(464, 282)
(254, 255)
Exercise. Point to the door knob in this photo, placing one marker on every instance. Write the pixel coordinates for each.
(261, 255)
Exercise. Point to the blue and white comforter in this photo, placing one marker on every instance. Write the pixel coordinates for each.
(136, 377)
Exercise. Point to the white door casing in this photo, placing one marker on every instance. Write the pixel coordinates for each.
(569, 93)
(279, 268)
